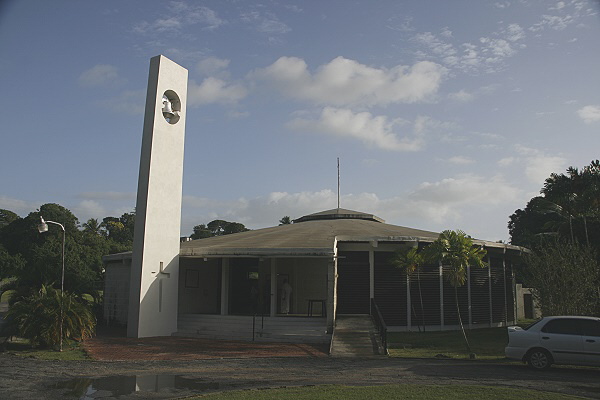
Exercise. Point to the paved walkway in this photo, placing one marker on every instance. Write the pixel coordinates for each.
(114, 346)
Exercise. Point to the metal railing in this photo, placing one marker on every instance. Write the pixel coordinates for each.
(380, 324)
(262, 324)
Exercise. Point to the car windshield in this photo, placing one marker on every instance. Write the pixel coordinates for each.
(532, 324)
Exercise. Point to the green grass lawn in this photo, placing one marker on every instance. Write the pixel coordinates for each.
(330, 392)
(71, 351)
(486, 343)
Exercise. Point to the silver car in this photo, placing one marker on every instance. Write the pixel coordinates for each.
(556, 340)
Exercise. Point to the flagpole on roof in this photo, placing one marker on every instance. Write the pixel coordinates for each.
(338, 166)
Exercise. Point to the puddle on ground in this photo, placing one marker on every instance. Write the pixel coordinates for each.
(115, 386)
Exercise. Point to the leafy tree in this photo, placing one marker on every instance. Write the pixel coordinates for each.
(285, 220)
(565, 278)
(38, 317)
(6, 217)
(119, 232)
(569, 208)
(34, 259)
(411, 261)
(456, 250)
(9, 264)
(201, 232)
(94, 227)
(218, 227)
(234, 227)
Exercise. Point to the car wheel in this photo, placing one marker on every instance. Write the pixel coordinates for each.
(539, 359)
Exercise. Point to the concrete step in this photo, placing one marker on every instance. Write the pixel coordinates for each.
(355, 336)
(273, 329)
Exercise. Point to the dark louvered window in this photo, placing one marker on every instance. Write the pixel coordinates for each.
(390, 289)
(353, 285)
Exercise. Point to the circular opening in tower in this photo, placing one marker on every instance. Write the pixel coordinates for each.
(171, 107)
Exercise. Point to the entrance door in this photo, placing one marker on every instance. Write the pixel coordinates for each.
(244, 286)
(353, 286)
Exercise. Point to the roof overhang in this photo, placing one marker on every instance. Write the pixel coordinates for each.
(257, 252)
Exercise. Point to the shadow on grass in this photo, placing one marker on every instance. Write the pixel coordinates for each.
(486, 343)
(71, 351)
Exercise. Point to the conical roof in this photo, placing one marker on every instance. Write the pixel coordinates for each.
(311, 235)
(339, 213)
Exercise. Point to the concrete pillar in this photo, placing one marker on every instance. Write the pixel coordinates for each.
(469, 296)
(371, 274)
(155, 264)
(331, 294)
(441, 295)
(490, 289)
(504, 282)
(408, 304)
(274, 297)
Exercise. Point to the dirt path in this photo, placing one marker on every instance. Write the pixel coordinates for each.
(26, 378)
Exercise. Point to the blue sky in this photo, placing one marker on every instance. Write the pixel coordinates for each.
(444, 114)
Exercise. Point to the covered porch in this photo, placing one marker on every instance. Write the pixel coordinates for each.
(258, 297)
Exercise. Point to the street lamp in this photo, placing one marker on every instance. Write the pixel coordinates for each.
(43, 227)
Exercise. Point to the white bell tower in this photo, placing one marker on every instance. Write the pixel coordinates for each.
(155, 262)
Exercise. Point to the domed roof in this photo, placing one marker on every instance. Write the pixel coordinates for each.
(339, 213)
(311, 235)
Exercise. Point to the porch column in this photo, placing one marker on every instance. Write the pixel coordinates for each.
(331, 294)
(441, 295)
(504, 281)
(490, 289)
(469, 296)
(225, 286)
(408, 304)
(273, 309)
(372, 272)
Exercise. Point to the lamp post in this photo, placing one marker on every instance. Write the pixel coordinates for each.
(43, 227)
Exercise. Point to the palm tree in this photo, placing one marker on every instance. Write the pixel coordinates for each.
(456, 250)
(285, 220)
(574, 195)
(93, 226)
(39, 318)
(411, 260)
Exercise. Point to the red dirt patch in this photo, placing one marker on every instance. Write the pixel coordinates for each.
(182, 348)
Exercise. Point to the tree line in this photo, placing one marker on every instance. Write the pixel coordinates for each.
(561, 228)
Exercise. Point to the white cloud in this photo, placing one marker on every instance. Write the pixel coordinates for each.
(107, 196)
(375, 131)
(100, 75)
(461, 160)
(506, 161)
(431, 206)
(446, 32)
(466, 189)
(215, 90)
(514, 32)
(496, 49)
(589, 114)
(18, 206)
(461, 96)
(487, 56)
(212, 65)
(538, 164)
(555, 22)
(265, 22)
(177, 16)
(128, 102)
(89, 209)
(344, 82)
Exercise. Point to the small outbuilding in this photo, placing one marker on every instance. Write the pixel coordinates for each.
(289, 282)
